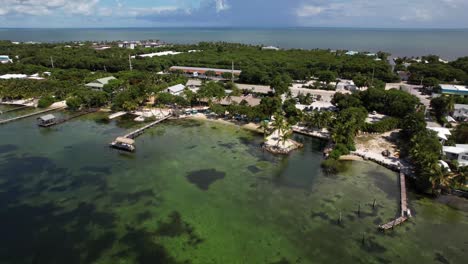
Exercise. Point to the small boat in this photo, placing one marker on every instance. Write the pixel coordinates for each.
(123, 143)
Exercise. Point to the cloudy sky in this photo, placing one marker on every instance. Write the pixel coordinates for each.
(225, 13)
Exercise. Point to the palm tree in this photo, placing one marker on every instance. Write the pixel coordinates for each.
(264, 125)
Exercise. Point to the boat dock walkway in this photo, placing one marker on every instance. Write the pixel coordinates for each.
(118, 114)
(29, 115)
(12, 110)
(405, 213)
(82, 113)
(138, 132)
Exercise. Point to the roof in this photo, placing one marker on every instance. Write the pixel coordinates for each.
(13, 76)
(455, 150)
(158, 54)
(176, 88)
(442, 132)
(263, 89)
(460, 106)
(251, 101)
(270, 48)
(352, 52)
(125, 140)
(194, 82)
(99, 83)
(48, 117)
(200, 69)
(457, 89)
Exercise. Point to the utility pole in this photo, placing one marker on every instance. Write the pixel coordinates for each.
(52, 62)
(130, 62)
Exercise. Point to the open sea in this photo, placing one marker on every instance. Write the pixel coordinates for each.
(447, 43)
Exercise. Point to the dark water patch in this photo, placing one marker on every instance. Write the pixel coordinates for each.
(320, 215)
(385, 184)
(383, 261)
(204, 178)
(227, 145)
(176, 227)
(281, 261)
(47, 234)
(254, 169)
(371, 246)
(378, 221)
(58, 189)
(191, 147)
(143, 216)
(96, 169)
(441, 258)
(186, 123)
(131, 197)
(26, 165)
(7, 148)
(142, 245)
(97, 181)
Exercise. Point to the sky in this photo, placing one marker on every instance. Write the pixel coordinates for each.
(235, 13)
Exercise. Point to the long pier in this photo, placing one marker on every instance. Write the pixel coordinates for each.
(138, 132)
(29, 115)
(405, 213)
(63, 120)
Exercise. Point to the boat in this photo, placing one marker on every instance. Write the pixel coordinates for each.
(123, 143)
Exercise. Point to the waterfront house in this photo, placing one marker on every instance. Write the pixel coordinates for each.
(460, 112)
(99, 83)
(47, 120)
(458, 153)
(454, 89)
(176, 89)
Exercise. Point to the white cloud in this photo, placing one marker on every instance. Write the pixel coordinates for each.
(309, 10)
(47, 7)
(221, 5)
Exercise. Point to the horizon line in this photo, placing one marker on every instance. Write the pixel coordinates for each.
(250, 27)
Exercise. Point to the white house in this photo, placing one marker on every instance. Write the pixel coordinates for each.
(270, 48)
(99, 83)
(458, 153)
(442, 133)
(461, 112)
(352, 53)
(176, 89)
(5, 59)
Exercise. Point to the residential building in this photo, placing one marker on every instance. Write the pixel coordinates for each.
(442, 133)
(99, 83)
(259, 89)
(176, 89)
(201, 72)
(249, 99)
(454, 89)
(270, 48)
(352, 53)
(458, 153)
(460, 112)
(5, 59)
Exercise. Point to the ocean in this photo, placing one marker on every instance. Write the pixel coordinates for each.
(447, 43)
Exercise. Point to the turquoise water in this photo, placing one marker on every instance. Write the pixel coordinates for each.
(448, 43)
(202, 192)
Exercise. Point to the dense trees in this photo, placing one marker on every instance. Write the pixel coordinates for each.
(441, 107)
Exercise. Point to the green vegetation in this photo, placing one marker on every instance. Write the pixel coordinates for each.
(45, 102)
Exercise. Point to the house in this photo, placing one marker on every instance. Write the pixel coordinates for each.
(4, 59)
(99, 83)
(47, 120)
(442, 133)
(460, 112)
(194, 85)
(352, 53)
(454, 89)
(346, 85)
(252, 88)
(458, 153)
(270, 48)
(201, 72)
(176, 89)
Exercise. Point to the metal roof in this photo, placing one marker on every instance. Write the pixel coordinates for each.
(176, 88)
(48, 117)
(199, 69)
(125, 140)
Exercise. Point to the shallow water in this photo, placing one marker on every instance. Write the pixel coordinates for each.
(202, 192)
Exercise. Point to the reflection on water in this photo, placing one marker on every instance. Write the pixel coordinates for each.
(194, 194)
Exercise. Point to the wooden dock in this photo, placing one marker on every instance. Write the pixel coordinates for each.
(405, 212)
(29, 115)
(138, 132)
(63, 120)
